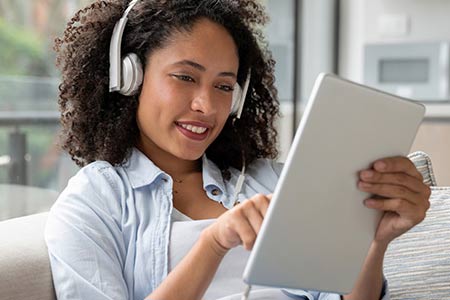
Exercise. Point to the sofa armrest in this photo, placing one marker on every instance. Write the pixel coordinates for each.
(417, 264)
(423, 164)
(24, 263)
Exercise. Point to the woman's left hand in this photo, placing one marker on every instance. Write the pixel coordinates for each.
(398, 190)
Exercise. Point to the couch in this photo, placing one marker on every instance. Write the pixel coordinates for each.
(417, 264)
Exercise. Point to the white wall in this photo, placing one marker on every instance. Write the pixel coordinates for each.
(351, 39)
(427, 20)
(317, 43)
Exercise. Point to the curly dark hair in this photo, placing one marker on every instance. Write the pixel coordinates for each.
(99, 125)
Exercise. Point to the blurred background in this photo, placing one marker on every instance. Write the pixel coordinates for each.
(400, 46)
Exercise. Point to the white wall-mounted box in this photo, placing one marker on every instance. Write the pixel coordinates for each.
(419, 71)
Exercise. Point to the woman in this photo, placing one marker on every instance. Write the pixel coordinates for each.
(152, 212)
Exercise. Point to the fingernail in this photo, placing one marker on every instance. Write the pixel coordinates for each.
(365, 184)
(369, 202)
(367, 174)
(380, 165)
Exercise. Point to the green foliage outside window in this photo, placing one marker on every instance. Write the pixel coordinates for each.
(29, 80)
(22, 51)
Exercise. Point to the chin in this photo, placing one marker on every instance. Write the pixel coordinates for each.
(191, 155)
(190, 152)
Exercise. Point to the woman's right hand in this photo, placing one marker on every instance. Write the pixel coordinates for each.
(239, 225)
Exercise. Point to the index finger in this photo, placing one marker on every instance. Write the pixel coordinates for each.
(397, 164)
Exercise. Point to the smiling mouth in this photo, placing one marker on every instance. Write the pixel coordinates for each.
(193, 132)
(194, 129)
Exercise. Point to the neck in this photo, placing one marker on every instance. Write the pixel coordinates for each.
(176, 167)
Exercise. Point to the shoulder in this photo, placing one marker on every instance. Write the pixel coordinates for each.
(265, 167)
(95, 191)
(261, 176)
(84, 235)
(100, 179)
(100, 176)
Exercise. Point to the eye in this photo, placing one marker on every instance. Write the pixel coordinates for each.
(183, 77)
(225, 87)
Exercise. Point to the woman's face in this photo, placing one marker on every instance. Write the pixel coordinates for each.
(187, 92)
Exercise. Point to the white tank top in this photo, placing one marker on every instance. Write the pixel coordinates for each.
(227, 283)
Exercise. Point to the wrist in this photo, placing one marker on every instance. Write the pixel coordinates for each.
(379, 246)
(208, 237)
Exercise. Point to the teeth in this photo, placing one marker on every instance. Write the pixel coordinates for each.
(195, 129)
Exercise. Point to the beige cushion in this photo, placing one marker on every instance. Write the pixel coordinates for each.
(24, 264)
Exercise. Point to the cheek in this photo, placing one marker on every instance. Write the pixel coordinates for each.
(157, 98)
(222, 116)
(226, 112)
(223, 103)
(144, 116)
(150, 111)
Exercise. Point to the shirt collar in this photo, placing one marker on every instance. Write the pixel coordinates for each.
(212, 176)
(142, 171)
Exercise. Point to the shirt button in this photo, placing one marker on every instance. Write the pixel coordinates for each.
(215, 192)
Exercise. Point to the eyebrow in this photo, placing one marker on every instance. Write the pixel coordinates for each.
(186, 62)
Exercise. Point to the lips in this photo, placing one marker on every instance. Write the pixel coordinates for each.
(193, 130)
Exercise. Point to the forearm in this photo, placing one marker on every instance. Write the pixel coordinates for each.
(370, 281)
(192, 276)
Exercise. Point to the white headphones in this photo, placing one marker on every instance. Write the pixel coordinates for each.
(126, 74)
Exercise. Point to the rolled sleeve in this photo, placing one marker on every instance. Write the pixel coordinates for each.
(385, 291)
(85, 244)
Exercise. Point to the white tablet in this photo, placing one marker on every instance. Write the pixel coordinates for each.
(317, 232)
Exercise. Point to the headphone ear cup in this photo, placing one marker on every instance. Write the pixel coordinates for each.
(239, 95)
(132, 74)
(236, 99)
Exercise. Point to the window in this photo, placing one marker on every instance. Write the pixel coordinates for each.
(31, 164)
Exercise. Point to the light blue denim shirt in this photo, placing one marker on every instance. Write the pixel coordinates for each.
(108, 232)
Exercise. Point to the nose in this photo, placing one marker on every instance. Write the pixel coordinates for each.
(203, 101)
